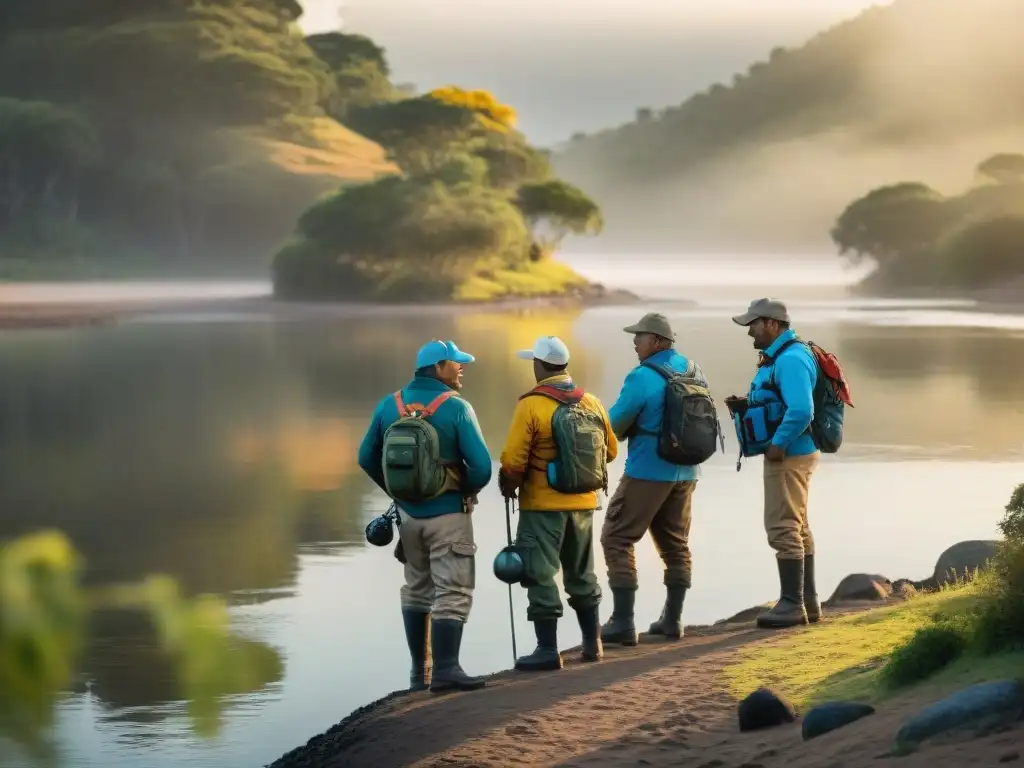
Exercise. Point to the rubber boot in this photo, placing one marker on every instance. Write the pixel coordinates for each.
(789, 611)
(670, 624)
(590, 629)
(417, 635)
(546, 656)
(620, 627)
(445, 642)
(811, 603)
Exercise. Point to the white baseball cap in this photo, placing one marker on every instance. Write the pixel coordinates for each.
(550, 349)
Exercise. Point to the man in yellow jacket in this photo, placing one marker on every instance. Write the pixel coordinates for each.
(556, 457)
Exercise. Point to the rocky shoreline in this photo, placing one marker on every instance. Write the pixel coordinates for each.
(354, 740)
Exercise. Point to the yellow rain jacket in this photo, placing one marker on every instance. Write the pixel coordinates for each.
(530, 446)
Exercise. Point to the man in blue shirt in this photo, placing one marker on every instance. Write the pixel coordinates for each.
(653, 494)
(436, 535)
(785, 378)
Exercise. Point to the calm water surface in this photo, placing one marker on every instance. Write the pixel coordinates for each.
(221, 449)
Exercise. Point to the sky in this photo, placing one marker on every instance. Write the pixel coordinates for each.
(577, 65)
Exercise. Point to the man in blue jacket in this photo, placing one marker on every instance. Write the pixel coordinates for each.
(436, 542)
(653, 494)
(786, 376)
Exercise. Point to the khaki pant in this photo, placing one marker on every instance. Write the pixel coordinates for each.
(440, 567)
(786, 487)
(639, 506)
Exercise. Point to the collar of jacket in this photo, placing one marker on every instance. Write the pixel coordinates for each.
(560, 380)
(660, 357)
(429, 383)
(765, 357)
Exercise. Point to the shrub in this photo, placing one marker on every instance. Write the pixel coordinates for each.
(1000, 621)
(930, 649)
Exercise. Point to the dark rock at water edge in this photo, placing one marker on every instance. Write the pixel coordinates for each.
(961, 560)
(765, 708)
(746, 615)
(999, 701)
(834, 714)
(861, 586)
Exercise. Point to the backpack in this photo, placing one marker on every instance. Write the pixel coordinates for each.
(830, 397)
(411, 458)
(690, 431)
(581, 461)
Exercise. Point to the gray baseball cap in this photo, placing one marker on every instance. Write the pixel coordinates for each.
(770, 309)
(652, 322)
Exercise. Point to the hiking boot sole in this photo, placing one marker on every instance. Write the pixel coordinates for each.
(781, 622)
(543, 666)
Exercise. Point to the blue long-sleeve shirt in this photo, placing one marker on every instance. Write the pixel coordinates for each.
(636, 416)
(459, 438)
(794, 374)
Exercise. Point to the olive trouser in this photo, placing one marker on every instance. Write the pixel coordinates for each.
(639, 506)
(440, 564)
(786, 488)
(547, 541)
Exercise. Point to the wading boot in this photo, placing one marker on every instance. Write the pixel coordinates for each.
(546, 656)
(445, 641)
(789, 611)
(417, 635)
(811, 603)
(590, 629)
(670, 623)
(620, 627)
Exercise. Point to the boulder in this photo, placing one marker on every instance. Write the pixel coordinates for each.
(963, 560)
(861, 586)
(904, 588)
(764, 708)
(835, 714)
(746, 615)
(1000, 701)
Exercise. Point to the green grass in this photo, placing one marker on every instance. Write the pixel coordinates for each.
(543, 278)
(843, 658)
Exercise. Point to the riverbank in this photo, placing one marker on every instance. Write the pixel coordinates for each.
(675, 703)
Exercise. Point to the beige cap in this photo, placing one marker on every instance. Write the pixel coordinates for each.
(770, 309)
(653, 322)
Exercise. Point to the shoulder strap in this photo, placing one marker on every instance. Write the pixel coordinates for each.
(423, 410)
(568, 397)
(436, 403)
(666, 372)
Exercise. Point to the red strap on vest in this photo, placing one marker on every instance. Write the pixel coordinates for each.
(424, 410)
(569, 397)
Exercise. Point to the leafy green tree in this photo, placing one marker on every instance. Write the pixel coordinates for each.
(890, 221)
(511, 162)
(403, 237)
(984, 253)
(555, 208)
(340, 50)
(44, 150)
(359, 68)
(423, 132)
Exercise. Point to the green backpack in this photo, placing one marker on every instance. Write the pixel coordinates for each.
(581, 463)
(411, 459)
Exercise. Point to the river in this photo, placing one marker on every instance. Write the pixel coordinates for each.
(220, 448)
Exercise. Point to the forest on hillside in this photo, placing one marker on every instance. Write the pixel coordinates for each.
(910, 89)
(189, 136)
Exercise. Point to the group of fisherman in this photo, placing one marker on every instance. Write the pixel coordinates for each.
(425, 449)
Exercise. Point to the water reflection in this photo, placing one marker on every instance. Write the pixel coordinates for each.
(224, 454)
